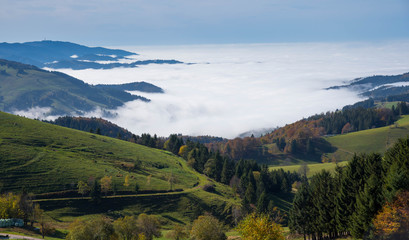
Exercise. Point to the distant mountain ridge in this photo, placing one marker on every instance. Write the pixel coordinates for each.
(58, 55)
(23, 87)
(378, 86)
(135, 86)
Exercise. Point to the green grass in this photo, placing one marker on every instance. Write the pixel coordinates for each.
(313, 167)
(44, 158)
(386, 104)
(367, 141)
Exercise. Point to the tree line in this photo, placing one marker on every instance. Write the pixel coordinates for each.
(304, 137)
(21, 206)
(348, 202)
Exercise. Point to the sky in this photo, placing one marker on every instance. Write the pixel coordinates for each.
(181, 22)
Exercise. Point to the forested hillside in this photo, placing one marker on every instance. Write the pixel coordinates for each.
(304, 139)
(23, 87)
(357, 200)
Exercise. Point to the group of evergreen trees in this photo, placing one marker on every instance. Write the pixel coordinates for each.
(147, 140)
(346, 203)
(360, 118)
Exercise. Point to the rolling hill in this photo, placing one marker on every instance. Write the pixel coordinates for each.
(25, 86)
(367, 141)
(44, 158)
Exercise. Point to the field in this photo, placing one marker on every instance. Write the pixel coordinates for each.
(313, 167)
(367, 141)
(44, 158)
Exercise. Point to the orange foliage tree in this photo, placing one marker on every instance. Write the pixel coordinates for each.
(393, 221)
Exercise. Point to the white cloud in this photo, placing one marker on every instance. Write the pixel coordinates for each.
(35, 113)
(235, 88)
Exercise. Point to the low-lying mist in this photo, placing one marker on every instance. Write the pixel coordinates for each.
(235, 88)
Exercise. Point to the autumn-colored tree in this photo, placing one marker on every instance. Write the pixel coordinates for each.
(259, 227)
(346, 129)
(106, 184)
(392, 222)
(126, 181)
(207, 228)
(183, 151)
(9, 206)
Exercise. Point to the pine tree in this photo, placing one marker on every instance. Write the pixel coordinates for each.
(262, 203)
(95, 192)
(225, 176)
(250, 194)
(396, 179)
(368, 203)
(323, 195)
(301, 214)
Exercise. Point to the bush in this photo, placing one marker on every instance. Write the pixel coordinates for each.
(207, 228)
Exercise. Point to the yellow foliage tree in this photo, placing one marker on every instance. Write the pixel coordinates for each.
(259, 227)
(106, 183)
(183, 150)
(126, 182)
(10, 206)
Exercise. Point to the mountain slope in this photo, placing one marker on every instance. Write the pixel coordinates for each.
(57, 54)
(367, 141)
(24, 86)
(45, 158)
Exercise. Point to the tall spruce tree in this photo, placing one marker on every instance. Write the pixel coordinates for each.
(323, 197)
(368, 203)
(301, 215)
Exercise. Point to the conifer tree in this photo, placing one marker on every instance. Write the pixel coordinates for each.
(225, 177)
(262, 203)
(323, 200)
(301, 214)
(368, 203)
(250, 194)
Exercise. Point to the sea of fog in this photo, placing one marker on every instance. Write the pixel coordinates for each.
(231, 89)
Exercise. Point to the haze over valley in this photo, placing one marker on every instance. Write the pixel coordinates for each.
(231, 89)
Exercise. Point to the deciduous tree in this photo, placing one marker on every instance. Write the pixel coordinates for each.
(259, 227)
(207, 228)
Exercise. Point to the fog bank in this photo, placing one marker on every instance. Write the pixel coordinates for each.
(235, 88)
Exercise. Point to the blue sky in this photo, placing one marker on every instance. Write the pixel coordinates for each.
(164, 22)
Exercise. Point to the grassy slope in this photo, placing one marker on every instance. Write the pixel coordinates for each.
(314, 167)
(367, 141)
(44, 158)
